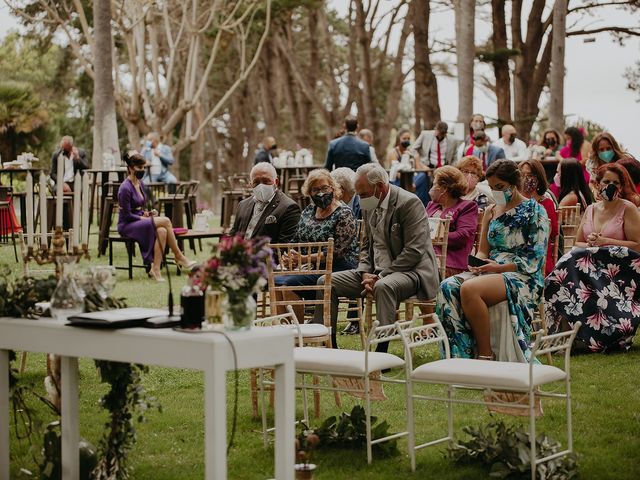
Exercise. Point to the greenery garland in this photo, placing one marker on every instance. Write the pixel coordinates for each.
(126, 401)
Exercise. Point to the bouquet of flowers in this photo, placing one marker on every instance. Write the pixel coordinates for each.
(238, 267)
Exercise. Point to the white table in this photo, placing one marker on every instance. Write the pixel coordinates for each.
(259, 347)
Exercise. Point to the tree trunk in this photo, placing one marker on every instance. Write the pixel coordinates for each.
(465, 52)
(368, 118)
(556, 77)
(501, 61)
(426, 87)
(105, 130)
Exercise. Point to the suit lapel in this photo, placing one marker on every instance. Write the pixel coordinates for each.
(391, 208)
(267, 211)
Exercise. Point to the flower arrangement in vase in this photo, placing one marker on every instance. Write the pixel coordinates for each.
(238, 269)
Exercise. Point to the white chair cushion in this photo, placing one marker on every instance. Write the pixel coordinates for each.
(309, 330)
(342, 362)
(465, 371)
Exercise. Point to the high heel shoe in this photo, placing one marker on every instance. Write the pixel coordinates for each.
(186, 264)
(156, 276)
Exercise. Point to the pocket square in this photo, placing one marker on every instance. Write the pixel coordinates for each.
(395, 228)
(270, 219)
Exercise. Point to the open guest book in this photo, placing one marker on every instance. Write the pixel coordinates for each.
(118, 318)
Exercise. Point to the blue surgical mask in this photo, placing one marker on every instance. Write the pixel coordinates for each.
(502, 197)
(606, 156)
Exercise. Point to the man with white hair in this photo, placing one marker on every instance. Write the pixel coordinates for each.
(397, 260)
(269, 212)
(75, 159)
(346, 178)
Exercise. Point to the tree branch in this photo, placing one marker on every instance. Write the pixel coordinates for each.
(625, 30)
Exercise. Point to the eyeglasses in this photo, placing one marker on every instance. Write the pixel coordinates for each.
(322, 189)
(468, 172)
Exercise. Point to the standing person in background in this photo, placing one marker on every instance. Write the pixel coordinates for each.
(514, 148)
(159, 158)
(435, 148)
(75, 159)
(267, 151)
(348, 150)
(604, 149)
(367, 135)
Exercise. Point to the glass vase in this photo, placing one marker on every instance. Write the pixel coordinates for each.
(213, 309)
(67, 299)
(239, 311)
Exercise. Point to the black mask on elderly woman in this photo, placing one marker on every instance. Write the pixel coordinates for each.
(322, 200)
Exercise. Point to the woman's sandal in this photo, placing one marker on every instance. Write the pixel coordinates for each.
(490, 358)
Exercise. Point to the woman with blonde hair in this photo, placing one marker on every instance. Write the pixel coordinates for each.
(477, 190)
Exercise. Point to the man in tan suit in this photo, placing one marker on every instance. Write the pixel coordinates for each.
(397, 261)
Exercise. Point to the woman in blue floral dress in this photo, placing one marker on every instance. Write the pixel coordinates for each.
(514, 245)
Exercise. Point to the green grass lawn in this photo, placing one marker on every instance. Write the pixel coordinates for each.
(170, 444)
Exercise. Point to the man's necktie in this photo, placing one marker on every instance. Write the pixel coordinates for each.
(439, 155)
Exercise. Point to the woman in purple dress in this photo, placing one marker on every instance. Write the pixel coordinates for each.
(151, 232)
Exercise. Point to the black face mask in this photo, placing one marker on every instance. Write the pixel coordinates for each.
(550, 142)
(139, 174)
(512, 137)
(322, 200)
(610, 192)
(405, 143)
(275, 147)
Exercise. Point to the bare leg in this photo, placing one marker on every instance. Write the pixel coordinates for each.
(161, 241)
(163, 223)
(476, 296)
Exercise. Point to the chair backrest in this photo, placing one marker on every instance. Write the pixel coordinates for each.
(558, 342)
(439, 238)
(422, 335)
(568, 222)
(316, 258)
(284, 319)
(223, 183)
(240, 181)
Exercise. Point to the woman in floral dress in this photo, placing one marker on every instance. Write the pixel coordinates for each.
(598, 282)
(514, 244)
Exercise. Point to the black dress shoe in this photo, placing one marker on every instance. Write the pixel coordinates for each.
(352, 329)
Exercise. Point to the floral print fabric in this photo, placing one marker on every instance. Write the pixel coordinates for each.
(518, 236)
(599, 287)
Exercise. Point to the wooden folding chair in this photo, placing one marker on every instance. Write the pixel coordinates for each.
(568, 222)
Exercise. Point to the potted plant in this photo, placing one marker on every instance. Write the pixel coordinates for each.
(306, 442)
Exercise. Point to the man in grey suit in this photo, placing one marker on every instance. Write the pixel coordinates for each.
(269, 212)
(348, 150)
(397, 260)
(436, 147)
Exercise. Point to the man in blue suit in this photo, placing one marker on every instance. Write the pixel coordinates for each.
(348, 150)
(486, 152)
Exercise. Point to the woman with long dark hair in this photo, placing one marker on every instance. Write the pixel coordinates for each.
(570, 187)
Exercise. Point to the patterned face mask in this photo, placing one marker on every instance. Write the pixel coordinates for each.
(530, 184)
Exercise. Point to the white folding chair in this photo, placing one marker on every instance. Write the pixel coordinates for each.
(354, 364)
(470, 374)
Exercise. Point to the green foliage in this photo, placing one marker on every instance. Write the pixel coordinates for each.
(18, 297)
(505, 449)
(349, 431)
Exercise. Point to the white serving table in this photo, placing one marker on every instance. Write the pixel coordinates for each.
(210, 352)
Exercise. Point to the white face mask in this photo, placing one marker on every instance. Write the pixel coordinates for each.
(482, 149)
(502, 197)
(263, 192)
(369, 203)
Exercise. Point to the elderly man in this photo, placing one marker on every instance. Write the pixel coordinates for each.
(75, 159)
(267, 151)
(348, 150)
(514, 148)
(367, 135)
(159, 158)
(269, 212)
(397, 260)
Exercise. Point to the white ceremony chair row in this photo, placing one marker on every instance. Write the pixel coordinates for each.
(470, 374)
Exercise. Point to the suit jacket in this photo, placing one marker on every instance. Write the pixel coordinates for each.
(80, 164)
(347, 151)
(279, 221)
(423, 143)
(262, 156)
(408, 240)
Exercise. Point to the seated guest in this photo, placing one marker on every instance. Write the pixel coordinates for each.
(159, 158)
(477, 188)
(326, 217)
(534, 185)
(550, 142)
(576, 146)
(448, 187)
(346, 178)
(269, 212)
(598, 286)
(75, 160)
(267, 151)
(514, 148)
(152, 233)
(397, 260)
(514, 245)
(486, 152)
(569, 185)
(604, 149)
(367, 135)
(632, 166)
(466, 148)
